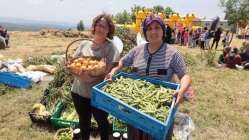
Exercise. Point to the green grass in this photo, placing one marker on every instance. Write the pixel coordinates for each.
(15, 123)
(220, 108)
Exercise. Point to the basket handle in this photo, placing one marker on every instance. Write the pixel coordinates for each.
(69, 45)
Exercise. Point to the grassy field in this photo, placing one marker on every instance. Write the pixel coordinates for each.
(220, 108)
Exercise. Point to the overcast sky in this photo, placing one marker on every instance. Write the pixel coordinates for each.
(74, 10)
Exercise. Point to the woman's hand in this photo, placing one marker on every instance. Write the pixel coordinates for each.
(108, 77)
(184, 84)
(179, 97)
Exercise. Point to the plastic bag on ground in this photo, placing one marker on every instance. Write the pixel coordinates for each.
(36, 76)
(183, 126)
(13, 66)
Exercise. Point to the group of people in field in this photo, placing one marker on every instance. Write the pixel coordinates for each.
(232, 57)
(200, 37)
(235, 58)
(4, 38)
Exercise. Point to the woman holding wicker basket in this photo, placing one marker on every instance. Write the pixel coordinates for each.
(97, 57)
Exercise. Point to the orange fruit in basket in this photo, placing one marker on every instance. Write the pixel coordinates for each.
(75, 61)
(80, 59)
(90, 67)
(85, 62)
(77, 64)
(88, 64)
(93, 62)
(83, 67)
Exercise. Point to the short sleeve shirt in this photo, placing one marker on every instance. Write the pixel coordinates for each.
(162, 64)
(108, 51)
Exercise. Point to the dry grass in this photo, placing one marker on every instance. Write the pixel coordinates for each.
(220, 109)
(25, 44)
(14, 122)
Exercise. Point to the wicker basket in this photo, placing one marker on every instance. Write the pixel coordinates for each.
(41, 119)
(75, 65)
(69, 130)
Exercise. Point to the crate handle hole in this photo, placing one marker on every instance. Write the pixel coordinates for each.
(123, 109)
(107, 100)
(142, 118)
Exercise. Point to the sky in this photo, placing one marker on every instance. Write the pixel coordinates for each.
(71, 11)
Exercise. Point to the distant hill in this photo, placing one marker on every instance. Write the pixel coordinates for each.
(17, 24)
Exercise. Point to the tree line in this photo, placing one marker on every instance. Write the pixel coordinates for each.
(236, 12)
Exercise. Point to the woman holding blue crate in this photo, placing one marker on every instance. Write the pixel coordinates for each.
(102, 28)
(155, 59)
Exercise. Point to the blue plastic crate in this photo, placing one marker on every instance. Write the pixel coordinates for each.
(129, 114)
(14, 80)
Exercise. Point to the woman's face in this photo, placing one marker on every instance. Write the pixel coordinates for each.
(154, 32)
(101, 28)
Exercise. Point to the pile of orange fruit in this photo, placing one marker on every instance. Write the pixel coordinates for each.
(88, 64)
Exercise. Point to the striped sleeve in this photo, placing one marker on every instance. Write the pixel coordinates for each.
(178, 65)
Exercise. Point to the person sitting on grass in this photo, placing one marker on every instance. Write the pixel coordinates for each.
(245, 56)
(221, 59)
(4, 38)
(233, 58)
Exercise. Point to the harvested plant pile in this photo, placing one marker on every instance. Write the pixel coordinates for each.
(63, 33)
(59, 89)
(128, 37)
(38, 60)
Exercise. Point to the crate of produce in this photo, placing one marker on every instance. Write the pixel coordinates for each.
(63, 117)
(58, 122)
(118, 125)
(64, 134)
(130, 113)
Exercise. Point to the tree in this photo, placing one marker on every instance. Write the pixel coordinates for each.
(123, 17)
(80, 26)
(168, 11)
(158, 8)
(236, 11)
